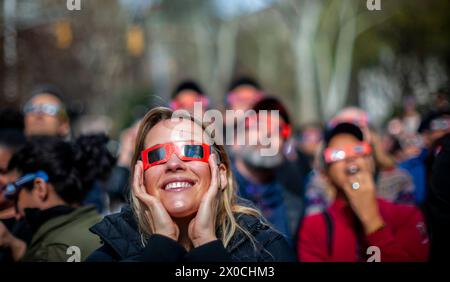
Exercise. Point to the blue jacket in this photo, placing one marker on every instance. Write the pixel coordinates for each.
(417, 170)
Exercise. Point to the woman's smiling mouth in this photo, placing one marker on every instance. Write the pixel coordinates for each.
(178, 184)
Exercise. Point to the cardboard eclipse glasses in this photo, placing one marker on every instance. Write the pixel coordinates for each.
(186, 151)
(332, 155)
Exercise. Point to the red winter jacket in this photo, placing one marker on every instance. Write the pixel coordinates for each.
(331, 236)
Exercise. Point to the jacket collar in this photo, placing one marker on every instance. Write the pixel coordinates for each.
(120, 231)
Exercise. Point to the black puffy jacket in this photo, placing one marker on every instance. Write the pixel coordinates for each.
(122, 242)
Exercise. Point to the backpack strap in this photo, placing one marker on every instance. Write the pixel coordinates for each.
(330, 230)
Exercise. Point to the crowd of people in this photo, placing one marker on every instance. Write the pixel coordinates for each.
(332, 192)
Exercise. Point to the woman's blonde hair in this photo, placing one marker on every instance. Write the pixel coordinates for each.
(226, 224)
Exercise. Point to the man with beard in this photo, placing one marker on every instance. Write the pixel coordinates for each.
(256, 172)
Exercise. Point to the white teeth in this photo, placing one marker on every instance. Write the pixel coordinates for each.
(175, 185)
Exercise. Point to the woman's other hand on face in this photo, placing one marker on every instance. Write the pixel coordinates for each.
(202, 226)
(157, 216)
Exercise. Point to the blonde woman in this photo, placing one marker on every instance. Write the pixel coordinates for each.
(184, 203)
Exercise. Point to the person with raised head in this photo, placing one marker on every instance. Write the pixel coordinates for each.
(357, 221)
(46, 114)
(263, 178)
(48, 191)
(184, 203)
(186, 94)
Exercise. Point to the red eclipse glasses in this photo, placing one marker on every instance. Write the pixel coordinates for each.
(186, 151)
(338, 154)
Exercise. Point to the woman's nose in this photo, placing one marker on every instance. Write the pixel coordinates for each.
(174, 163)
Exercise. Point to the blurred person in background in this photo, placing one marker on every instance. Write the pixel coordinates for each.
(402, 145)
(410, 117)
(10, 141)
(118, 182)
(356, 218)
(95, 164)
(243, 93)
(441, 99)
(437, 203)
(309, 139)
(11, 138)
(306, 145)
(258, 176)
(394, 183)
(46, 114)
(47, 190)
(360, 118)
(184, 203)
(434, 125)
(185, 94)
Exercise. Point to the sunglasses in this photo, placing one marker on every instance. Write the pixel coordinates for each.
(332, 155)
(186, 151)
(46, 108)
(12, 189)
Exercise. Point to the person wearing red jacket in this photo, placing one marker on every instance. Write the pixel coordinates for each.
(357, 226)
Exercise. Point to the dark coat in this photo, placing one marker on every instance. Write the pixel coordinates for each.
(437, 204)
(122, 242)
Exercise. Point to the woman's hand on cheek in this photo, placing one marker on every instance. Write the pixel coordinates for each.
(202, 228)
(157, 215)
